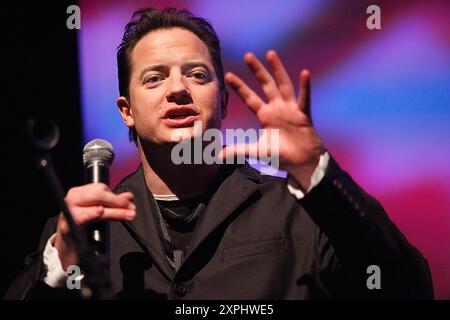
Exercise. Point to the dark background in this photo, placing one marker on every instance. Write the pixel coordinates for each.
(39, 78)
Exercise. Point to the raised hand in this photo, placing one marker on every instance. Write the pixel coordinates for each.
(299, 146)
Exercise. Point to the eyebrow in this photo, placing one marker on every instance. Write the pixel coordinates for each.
(188, 65)
(156, 67)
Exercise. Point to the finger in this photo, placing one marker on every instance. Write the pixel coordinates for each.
(248, 96)
(304, 102)
(262, 76)
(281, 76)
(107, 199)
(86, 215)
(96, 194)
(118, 214)
(127, 195)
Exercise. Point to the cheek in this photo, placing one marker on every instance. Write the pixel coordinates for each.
(144, 105)
(210, 102)
(212, 115)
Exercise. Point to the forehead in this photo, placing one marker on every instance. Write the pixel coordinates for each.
(169, 46)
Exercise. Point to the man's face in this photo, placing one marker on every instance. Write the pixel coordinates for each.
(172, 84)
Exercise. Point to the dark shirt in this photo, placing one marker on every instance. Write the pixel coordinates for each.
(179, 220)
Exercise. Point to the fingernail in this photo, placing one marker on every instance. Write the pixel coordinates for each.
(131, 206)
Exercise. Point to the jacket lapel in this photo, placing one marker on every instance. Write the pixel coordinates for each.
(145, 228)
(230, 195)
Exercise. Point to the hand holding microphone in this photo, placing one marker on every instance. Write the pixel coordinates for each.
(98, 155)
(93, 204)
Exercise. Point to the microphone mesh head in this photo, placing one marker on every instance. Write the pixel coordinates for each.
(98, 150)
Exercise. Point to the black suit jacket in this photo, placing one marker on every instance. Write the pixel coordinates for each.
(257, 241)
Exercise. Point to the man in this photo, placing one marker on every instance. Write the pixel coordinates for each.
(212, 231)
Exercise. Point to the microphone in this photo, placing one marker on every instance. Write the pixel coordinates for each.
(98, 155)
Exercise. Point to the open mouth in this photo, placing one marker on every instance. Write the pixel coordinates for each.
(180, 117)
(180, 113)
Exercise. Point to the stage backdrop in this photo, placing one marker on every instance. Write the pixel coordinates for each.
(380, 98)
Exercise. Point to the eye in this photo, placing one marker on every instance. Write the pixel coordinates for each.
(153, 79)
(200, 76)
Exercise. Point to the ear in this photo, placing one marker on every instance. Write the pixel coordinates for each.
(224, 103)
(125, 111)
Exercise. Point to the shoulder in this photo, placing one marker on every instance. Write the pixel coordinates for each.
(131, 181)
(253, 174)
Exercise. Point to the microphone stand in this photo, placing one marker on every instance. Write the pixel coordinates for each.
(97, 282)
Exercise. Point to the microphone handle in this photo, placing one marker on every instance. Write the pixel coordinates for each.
(96, 172)
(98, 232)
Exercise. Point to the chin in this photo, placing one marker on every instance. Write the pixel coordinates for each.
(175, 135)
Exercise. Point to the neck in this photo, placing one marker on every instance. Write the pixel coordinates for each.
(163, 177)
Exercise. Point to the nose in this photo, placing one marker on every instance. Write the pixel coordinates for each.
(177, 90)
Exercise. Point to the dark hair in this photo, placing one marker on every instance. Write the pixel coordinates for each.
(150, 19)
